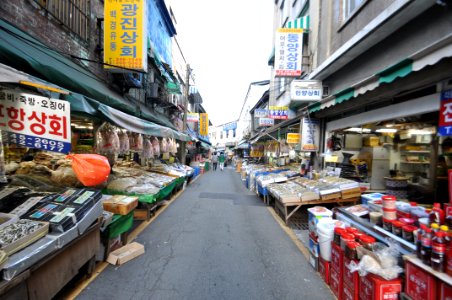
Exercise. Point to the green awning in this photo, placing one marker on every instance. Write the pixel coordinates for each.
(345, 95)
(398, 70)
(173, 88)
(23, 52)
(299, 23)
(315, 107)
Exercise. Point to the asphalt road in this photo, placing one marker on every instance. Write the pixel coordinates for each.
(216, 241)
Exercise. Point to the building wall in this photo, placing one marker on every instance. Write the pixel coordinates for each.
(28, 16)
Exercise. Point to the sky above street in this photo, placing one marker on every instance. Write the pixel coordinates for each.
(227, 44)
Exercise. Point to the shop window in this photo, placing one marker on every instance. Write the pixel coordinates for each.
(73, 14)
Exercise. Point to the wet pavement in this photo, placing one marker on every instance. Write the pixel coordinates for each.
(217, 240)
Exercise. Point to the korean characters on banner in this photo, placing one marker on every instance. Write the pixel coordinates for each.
(306, 90)
(293, 138)
(260, 113)
(125, 35)
(35, 121)
(192, 117)
(279, 112)
(267, 122)
(310, 134)
(445, 114)
(203, 124)
(288, 52)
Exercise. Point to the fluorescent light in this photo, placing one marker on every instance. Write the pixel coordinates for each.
(358, 129)
(386, 130)
(420, 131)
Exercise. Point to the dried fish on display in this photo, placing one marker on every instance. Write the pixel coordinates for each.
(18, 230)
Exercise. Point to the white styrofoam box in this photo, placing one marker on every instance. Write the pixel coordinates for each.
(315, 214)
(372, 196)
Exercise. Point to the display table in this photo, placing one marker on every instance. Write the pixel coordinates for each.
(47, 277)
(288, 208)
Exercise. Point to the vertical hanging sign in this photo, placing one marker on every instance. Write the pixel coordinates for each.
(288, 52)
(445, 114)
(310, 134)
(125, 35)
(203, 124)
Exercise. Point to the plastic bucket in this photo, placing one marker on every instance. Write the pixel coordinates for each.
(325, 232)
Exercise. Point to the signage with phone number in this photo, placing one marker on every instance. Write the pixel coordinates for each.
(36, 122)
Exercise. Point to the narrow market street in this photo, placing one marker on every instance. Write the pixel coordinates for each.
(217, 240)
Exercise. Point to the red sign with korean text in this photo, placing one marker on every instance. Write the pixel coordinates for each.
(445, 114)
(36, 122)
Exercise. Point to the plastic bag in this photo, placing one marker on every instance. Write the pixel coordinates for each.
(124, 144)
(107, 139)
(136, 143)
(90, 169)
(156, 146)
(148, 151)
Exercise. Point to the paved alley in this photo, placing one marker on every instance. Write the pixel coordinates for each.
(216, 241)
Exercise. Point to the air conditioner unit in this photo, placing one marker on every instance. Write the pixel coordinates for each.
(326, 91)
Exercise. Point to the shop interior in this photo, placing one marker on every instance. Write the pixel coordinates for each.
(404, 157)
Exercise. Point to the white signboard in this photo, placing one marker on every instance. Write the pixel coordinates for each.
(288, 52)
(260, 113)
(35, 121)
(266, 122)
(192, 117)
(306, 90)
(310, 134)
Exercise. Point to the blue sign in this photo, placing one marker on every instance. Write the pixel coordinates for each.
(37, 142)
(230, 126)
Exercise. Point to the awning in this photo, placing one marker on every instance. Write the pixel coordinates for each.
(23, 52)
(416, 62)
(243, 146)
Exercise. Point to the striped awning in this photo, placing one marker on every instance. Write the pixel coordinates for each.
(403, 68)
(300, 23)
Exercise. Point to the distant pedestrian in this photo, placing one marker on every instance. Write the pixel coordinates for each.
(214, 161)
(221, 159)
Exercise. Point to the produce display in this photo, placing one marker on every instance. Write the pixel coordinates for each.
(20, 234)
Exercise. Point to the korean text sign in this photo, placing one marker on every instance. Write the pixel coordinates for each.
(260, 113)
(306, 90)
(445, 114)
(279, 112)
(310, 134)
(266, 122)
(125, 34)
(35, 121)
(288, 52)
(203, 124)
(192, 117)
(293, 138)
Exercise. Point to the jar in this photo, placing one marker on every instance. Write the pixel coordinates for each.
(408, 233)
(390, 213)
(351, 250)
(389, 201)
(351, 230)
(368, 242)
(397, 228)
(358, 235)
(387, 225)
(337, 235)
(407, 221)
(345, 238)
(375, 217)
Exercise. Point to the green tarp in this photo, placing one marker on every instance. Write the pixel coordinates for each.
(400, 69)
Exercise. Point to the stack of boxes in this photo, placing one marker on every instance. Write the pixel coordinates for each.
(314, 215)
(336, 271)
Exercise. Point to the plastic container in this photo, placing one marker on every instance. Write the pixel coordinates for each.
(389, 202)
(407, 221)
(426, 246)
(368, 242)
(397, 228)
(390, 213)
(420, 234)
(325, 232)
(387, 224)
(436, 214)
(338, 231)
(376, 218)
(438, 256)
(351, 250)
(408, 233)
(345, 238)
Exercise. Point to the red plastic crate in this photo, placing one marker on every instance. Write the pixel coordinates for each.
(373, 287)
(324, 270)
(349, 293)
(420, 284)
(351, 280)
(445, 291)
(336, 283)
(337, 258)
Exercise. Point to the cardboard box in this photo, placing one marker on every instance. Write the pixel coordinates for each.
(351, 281)
(445, 291)
(336, 283)
(125, 253)
(373, 287)
(315, 214)
(120, 204)
(349, 293)
(314, 245)
(420, 284)
(337, 258)
(371, 141)
(324, 270)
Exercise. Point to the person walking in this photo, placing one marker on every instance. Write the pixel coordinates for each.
(214, 161)
(221, 159)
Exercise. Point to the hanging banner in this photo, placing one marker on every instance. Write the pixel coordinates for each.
(310, 134)
(293, 138)
(288, 52)
(278, 112)
(35, 121)
(445, 114)
(260, 113)
(125, 35)
(203, 124)
(266, 122)
(192, 117)
(306, 90)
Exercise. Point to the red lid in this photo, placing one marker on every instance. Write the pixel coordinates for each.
(437, 205)
(413, 203)
(388, 198)
(389, 209)
(367, 239)
(428, 230)
(407, 221)
(347, 236)
(398, 223)
(353, 245)
(409, 228)
(388, 221)
(358, 234)
(339, 230)
(351, 229)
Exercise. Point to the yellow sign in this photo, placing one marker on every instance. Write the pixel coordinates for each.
(293, 138)
(203, 124)
(125, 35)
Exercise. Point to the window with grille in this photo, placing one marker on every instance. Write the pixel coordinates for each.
(74, 14)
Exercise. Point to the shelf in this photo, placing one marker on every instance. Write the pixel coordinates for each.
(416, 151)
(414, 163)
